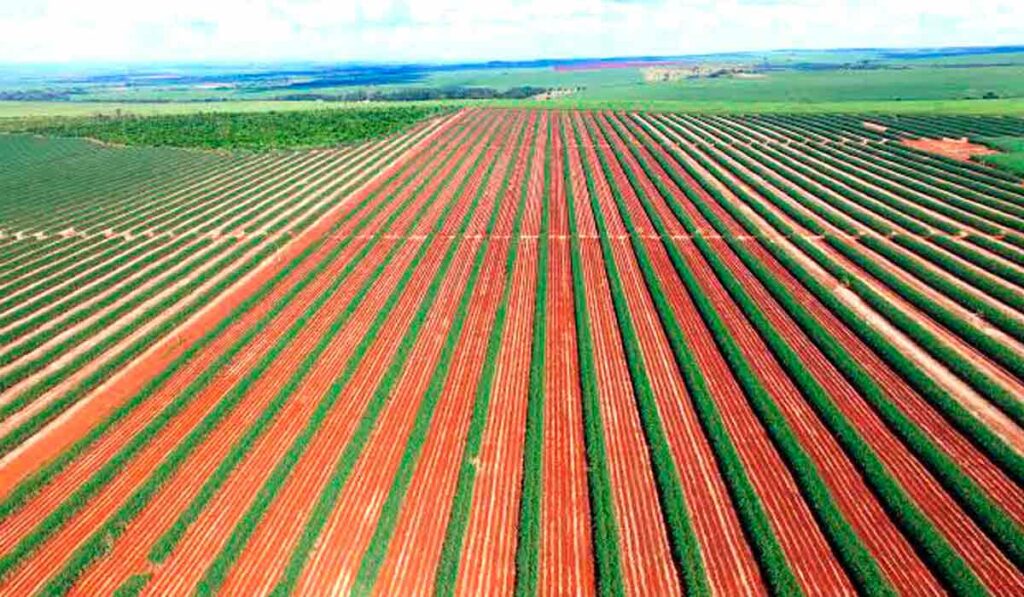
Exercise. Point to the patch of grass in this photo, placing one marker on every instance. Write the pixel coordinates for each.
(1012, 159)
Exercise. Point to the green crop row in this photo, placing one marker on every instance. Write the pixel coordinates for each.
(957, 185)
(166, 543)
(170, 538)
(901, 199)
(682, 538)
(940, 554)
(79, 191)
(41, 478)
(76, 316)
(376, 551)
(888, 178)
(604, 534)
(51, 380)
(136, 348)
(966, 171)
(27, 257)
(981, 435)
(14, 297)
(134, 259)
(938, 281)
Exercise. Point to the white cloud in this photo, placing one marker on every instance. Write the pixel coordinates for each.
(400, 30)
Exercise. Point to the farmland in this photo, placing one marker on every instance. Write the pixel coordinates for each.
(518, 351)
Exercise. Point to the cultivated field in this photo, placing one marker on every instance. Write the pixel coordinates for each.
(518, 351)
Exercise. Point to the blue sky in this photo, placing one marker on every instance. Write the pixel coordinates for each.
(471, 30)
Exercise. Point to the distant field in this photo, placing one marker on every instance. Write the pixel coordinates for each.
(907, 83)
(914, 83)
(771, 82)
(39, 113)
(1004, 107)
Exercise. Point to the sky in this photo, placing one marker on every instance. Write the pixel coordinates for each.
(133, 31)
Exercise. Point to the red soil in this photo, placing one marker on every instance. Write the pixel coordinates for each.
(958, 149)
(489, 548)
(728, 560)
(138, 468)
(565, 558)
(415, 548)
(277, 533)
(808, 552)
(129, 554)
(487, 564)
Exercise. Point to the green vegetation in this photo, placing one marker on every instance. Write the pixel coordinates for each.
(528, 545)
(989, 516)
(322, 508)
(38, 195)
(179, 295)
(25, 490)
(970, 333)
(52, 409)
(98, 542)
(240, 535)
(376, 550)
(1012, 159)
(240, 130)
(170, 538)
(839, 85)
